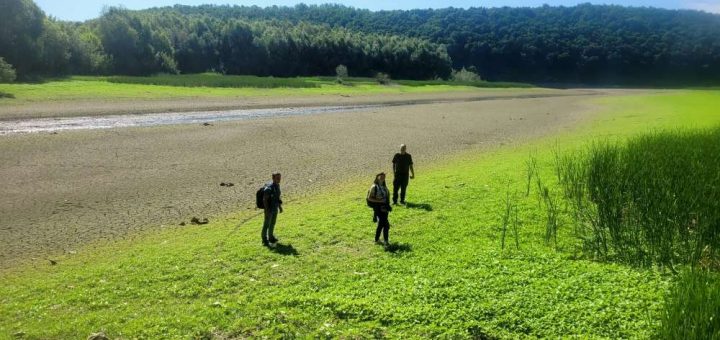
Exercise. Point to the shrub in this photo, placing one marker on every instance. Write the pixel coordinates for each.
(7, 72)
(464, 75)
(341, 73)
(382, 78)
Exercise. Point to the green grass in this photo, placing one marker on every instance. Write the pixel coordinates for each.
(415, 83)
(216, 80)
(202, 86)
(446, 275)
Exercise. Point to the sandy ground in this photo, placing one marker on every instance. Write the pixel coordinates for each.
(61, 191)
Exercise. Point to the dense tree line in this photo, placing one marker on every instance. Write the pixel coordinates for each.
(36, 45)
(147, 42)
(585, 43)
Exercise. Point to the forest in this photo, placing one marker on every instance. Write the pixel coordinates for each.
(582, 44)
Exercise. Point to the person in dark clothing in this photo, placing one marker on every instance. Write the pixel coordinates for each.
(272, 206)
(403, 171)
(379, 196)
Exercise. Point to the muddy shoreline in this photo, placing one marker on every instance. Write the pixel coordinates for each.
(60, 192)
(129, 106)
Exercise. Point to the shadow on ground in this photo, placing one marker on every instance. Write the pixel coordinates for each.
(283, 249)
(421, 206)
(396, 247)
(6, 95)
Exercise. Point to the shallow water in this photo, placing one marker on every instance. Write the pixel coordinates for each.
(120, 121)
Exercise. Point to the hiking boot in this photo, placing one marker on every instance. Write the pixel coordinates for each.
(265, 243)
(273, 240)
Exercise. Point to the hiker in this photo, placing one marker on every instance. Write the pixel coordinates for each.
(272, 205)
(402, 173)
(378, 196)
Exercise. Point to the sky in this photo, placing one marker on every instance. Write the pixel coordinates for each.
(79, 10)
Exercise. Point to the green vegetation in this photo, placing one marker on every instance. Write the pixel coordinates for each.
(581, 44)
(216, 80)
(475, 83)
(7, 72)
(109, 88)
(584, 43)
(447, 273)
(692, 308)
(652, 200)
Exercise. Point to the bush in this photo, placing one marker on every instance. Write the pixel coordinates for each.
(341, 73)
(464, 75)
(382, 78)
(7, 72)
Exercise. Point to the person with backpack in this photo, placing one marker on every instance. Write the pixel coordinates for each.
(379, 198)
(268, 199)
(402, 173)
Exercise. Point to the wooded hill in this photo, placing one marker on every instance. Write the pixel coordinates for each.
(586, 43)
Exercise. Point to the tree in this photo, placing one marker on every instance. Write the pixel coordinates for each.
(22, 24)
(133, 45)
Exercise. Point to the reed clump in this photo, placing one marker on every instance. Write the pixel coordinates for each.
(652, 200)
(692, 308)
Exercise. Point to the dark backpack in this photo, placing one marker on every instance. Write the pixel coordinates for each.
(259, 195)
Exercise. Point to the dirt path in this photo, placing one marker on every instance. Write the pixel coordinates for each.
(61, 191)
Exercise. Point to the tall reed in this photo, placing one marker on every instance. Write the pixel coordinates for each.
(654, 199)
(692, 308)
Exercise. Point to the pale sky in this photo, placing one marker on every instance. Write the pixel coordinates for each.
(87, 9)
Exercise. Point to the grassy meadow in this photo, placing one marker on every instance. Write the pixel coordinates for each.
(459, 265)
(216, 86)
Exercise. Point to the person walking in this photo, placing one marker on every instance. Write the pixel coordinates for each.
(378, 195)
(272, 205)
(403, 171)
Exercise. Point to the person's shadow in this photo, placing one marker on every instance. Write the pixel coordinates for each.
(421, 206)
(396, 247)
(283, 249)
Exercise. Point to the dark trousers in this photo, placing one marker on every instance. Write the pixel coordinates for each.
(400, 183)
(268, 228)
(383, 225)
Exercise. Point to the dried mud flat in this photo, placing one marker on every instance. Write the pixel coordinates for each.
(95, 107)
(59, 192)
